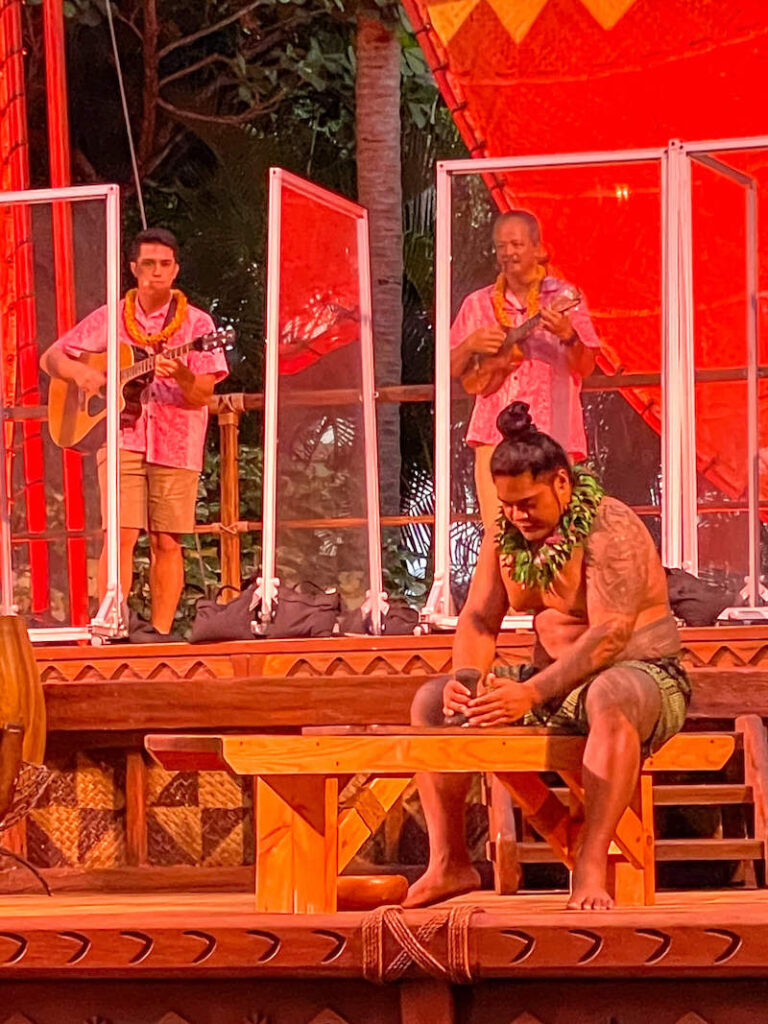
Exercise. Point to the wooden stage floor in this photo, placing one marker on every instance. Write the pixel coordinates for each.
(693, 934)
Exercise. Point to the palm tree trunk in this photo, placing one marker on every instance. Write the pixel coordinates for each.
(377, 96)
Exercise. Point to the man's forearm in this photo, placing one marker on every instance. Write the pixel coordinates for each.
(474, 645)
(57, 363)
(460, 358)
(580, 359)
(196, 389)
(596, 649)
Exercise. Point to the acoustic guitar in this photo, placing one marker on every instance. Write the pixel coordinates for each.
(73, 413)
(486, 373)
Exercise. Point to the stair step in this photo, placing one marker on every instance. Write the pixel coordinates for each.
(709, 849)
(688, 796)
(692, 796)
(666, 850)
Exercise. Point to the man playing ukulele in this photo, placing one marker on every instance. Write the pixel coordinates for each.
(605, 664)
(161, 453)
(556, 355)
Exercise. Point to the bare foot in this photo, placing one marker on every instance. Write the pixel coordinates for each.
(588, 890)
(438, 884)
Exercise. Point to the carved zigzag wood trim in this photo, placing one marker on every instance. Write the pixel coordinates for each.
(186, 664)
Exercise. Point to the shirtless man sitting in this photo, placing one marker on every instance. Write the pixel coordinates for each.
(606, 660)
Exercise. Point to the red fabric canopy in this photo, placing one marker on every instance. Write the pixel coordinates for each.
(319, 302)
(546, 76)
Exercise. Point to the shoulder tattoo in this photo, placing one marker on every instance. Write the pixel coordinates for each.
(617, 558)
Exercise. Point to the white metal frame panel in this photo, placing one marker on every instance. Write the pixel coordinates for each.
(107, 621)
(278, 179)
(439, 610)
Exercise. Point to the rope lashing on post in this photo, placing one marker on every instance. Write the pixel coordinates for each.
(413, 945)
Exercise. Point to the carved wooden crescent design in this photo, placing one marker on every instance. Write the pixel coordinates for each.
(595, 940)
(733, 946)
(339, 944)
(147, 942)
(664, 940)
(527, 940)
(21, 942)
(208, 941)
(274, 944)
(83, 942)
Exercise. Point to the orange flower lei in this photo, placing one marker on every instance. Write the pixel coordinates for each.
(531, 299)
(153, 340)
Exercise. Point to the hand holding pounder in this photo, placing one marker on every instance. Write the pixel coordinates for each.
(457, 693)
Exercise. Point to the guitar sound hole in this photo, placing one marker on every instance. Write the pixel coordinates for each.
(96, 403)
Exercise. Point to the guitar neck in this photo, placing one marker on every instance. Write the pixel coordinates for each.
(148, 364)
(517, 334)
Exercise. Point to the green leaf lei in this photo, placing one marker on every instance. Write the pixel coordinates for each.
(537, 565)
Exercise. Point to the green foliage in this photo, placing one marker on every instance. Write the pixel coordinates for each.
(291, 64)
(402, 572)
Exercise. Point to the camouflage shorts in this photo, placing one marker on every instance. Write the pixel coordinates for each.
(571, 713)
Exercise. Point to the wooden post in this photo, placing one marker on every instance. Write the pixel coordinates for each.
(542, 809)
(15, 838)
(136, 809)
(426, 1002)
(296, 844)
(229, 425)
(501, 849)
(756, 775)
(360, 817)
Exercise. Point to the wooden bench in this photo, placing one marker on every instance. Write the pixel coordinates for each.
(302, 841)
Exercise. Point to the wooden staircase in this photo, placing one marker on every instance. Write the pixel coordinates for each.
(512, 842)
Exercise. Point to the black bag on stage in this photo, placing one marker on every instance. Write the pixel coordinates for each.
(352, 622)
(695, 601)
(398, 620)
(304, 610)
(142, 632)
(226, 621)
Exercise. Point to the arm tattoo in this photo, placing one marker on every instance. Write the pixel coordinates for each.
(617, 559)
(617, 562)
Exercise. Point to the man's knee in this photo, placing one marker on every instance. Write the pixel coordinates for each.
(164, 543)
(622, 699)
(427, 704)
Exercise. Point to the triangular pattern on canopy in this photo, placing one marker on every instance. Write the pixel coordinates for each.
(557, 76)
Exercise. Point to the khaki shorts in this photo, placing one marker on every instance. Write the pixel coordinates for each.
(158, 498)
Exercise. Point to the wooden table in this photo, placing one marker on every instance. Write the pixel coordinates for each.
(302, 841)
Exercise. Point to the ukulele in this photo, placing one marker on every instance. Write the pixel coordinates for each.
(73, 413)
(486, 373)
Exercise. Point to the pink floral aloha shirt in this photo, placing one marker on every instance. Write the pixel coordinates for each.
(543, 379)
(169, 431)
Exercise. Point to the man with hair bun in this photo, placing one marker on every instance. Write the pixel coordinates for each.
(605, 662)
(555, 356)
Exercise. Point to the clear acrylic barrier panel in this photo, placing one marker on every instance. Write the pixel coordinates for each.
(601, 228)
(322, 378)
(53, 521)
(722, 249)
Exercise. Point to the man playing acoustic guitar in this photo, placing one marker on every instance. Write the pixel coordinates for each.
(161, 451)
(545, 370)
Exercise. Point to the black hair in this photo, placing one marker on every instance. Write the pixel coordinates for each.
(531, 222)
(153, 236)
(523, 448)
